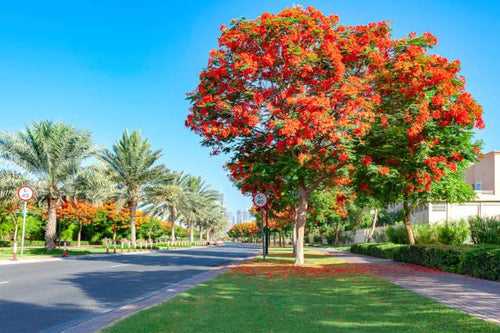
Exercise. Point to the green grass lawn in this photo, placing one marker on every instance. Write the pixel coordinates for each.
(41, 252)
(340, 304)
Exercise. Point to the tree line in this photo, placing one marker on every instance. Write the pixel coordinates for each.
(126, 185)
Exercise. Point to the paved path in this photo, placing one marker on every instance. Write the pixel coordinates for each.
(477, 297)
(57, 295)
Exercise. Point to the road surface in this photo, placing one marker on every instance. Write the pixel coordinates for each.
(51, 296)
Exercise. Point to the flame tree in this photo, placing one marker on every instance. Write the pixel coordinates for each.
(421, 141)
(284, 95)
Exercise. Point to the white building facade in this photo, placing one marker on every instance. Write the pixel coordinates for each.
(484, 177)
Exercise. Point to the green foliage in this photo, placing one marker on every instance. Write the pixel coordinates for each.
(453, 233)
(397, 234)
(485, 230)
(482, 262)
(452, 187)
(68, 233)
(478, 261)
(386, 217)
(425, 234)
(383, 250)
(445, 258)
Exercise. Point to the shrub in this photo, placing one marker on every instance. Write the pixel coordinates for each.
(482, 262)
(397, 234)
(478, 261)
(380, 250)
(4, 243)
(425, 234)
(485, 230)
(453, 233)
(442, 257)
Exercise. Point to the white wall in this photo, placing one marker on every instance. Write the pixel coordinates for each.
(440, 212)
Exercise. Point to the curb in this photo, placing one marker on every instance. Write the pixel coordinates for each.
(96, 255)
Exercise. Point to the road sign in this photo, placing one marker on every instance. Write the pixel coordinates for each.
(260, 199)
(25, 193)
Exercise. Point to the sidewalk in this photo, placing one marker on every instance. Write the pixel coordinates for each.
(480, 298)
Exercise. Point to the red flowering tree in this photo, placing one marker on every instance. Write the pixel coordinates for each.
(284, 95)
(247, 230)
(423, 132)
(81, 212)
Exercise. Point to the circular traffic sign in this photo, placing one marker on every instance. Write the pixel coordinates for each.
(260, 199)
(25, 193)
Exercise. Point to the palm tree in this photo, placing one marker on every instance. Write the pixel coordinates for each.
(198, 197)
(51, 153)
(164, 199)
(133, 165)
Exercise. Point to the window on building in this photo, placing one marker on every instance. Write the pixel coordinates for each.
(477, 186)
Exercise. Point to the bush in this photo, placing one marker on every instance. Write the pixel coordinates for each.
(445, 258)
(425, 234)
(485, 230)
(397, 234)
(482, 262)
(453, 233)
(4, 243)
(479, 261)
(380, 250)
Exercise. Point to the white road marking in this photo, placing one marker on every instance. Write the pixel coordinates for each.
(4, 282)
(120, 265)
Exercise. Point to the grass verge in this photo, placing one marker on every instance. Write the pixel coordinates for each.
(249, 299)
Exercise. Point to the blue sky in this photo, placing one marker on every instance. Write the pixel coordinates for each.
(110, 65)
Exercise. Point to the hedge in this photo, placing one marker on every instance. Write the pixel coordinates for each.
(478, 261)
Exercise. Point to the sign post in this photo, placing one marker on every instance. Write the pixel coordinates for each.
(25, 194)
(260, 200)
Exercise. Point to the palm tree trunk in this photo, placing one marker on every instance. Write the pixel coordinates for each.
(51, 228)
(133, 209)
(79, 237)
(300, 225)
(191, 232)
(201, 234)
(173, 216)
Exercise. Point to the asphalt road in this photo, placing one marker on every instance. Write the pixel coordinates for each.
(51, 296)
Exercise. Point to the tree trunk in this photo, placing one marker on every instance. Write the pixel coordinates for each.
(14, 243)
(201, 234)
(51, 228)
(208, 235)
(300, 225)
(294, 236)
(133, 209)
(173, 216)
(79, 237)
(337, 235)
(191, 232)
(407, 220)
(374, 225)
